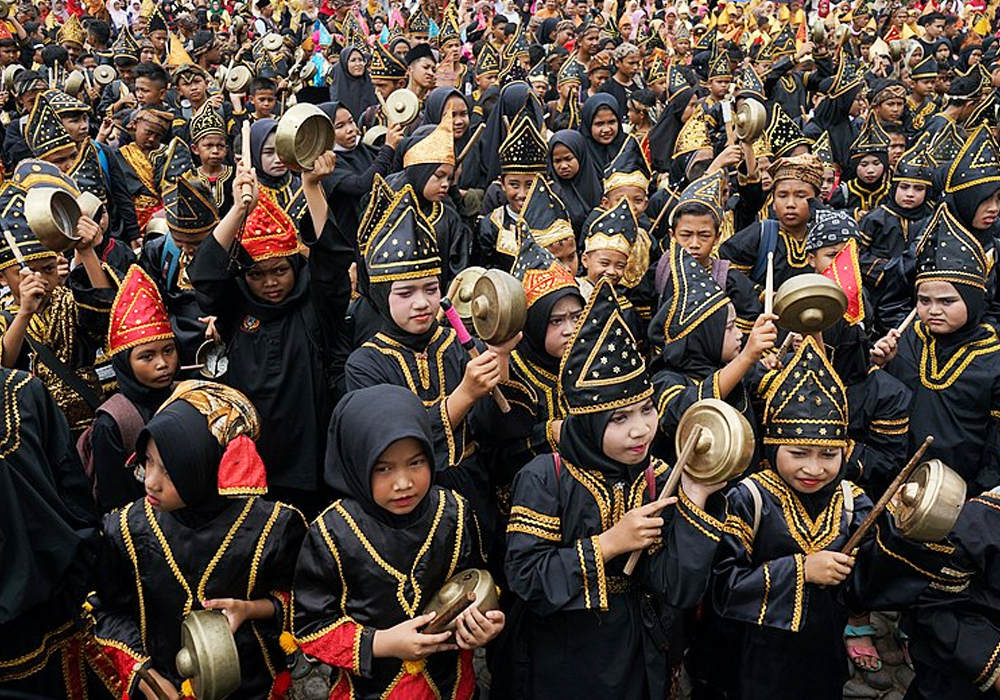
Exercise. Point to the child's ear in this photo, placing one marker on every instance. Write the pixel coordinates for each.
(810, 258)
(583, 259)
(605, 202)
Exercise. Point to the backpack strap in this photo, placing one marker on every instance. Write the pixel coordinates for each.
(126, 417)
(848, 490)
(758, 502)
(768, 242)
(102, 157)
(557, 462)
(171, 260)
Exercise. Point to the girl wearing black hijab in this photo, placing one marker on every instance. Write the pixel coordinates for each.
(200, 539)
(145, 359)
(575, 518)
(604, 139)
(833, 115)
(351, 609)
(352, 87)
(573, 178)
(434, 109)
(663, 136)
(273, 176)
(514, 98)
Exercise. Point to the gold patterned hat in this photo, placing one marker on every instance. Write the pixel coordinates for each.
(615, 229)
(720, 67)
(157, 22)
(603, 369)
(385, 65)
(572, 71)
(539, 272)
(404, 245)
(488, 61)
(805, 167)
(693, 135)
(805, 403)
(846, 78)
(419, 22)
(126, 45)
(784, 134)
(657, 70)
(381, 199)
(545, 214)
(751, 85)
(872, 139)
(87, 172)
(915, 166)
(72, 32)
(62, 103)
(977, 162)
(706, 190)
(437, 147)
(171, 162)
(823, 150)
(450, 30)
(945, 146)
(628, 167)
(206, 122)
(45, 132)
(693, 294)
(524, 151)
(948, 252)
(676, 81)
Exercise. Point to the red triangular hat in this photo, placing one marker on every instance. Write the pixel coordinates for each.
(269, 232)
(138, 315)
(845, 270)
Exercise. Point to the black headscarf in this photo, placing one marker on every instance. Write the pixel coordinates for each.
(191, 456)
(699, 353)
(259, 132)
(365, 423)
(145, 398)
(356, 94)
(581, 442)
(600, 154)
(582, 193)
(850, 351)
(547, 28)
(536, 325)
(814, 503)
(378, 294)
(663, 135)
(913, 214)
(963, 204)
(433, 111)
(515, 98)
(834, 116)
(350, 161)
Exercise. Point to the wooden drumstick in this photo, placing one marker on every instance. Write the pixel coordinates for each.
(890, 492)
(669, 487)
(769, 285)
(247, 189)
(906, 321)
(148, 679)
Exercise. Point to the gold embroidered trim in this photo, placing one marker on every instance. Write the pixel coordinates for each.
(800, 583)
(139, 163)
(938, 378)
(130, 548)
(602, 581)
(811, 535)
(767, 592)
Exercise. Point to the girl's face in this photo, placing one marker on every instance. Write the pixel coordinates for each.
(630, 432)
(604, 127)
(829, 182)
(271, 280)
(689, 110)
(356, 64)
(401, 476)
(269, 160)
(605, 263)
(808, 468)
(413, 304)
(345, 131)
(459, 116)
(940, 307)
(436, 189)
(731, 340)
(870, 169)
(858, 106)
(763, 167)
(155, 363)
(910, 195)
(562, 323)
(160, 490)
(986, 212)
(515, 188)
(565, 252)
(942, 53)
(564, 162)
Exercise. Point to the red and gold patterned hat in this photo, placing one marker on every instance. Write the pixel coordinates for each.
(270, 232)
(138, 315)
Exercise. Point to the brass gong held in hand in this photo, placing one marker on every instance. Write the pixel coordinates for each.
(466, 588)
(208, 656)
(750, 120)
(726, 444)
(304, 133)
(105, 75)
(465, 284)
(930, 502)
(809, 303)
(499, 307)
(402, 106)
(52, 215)
(238, 79)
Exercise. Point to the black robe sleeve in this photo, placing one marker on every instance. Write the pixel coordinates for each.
(116, 485)
(124, 223)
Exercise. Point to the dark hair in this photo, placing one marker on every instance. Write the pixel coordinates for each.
(499, 19)
(152, 71)
(510, 29)
(692, 209)
(100, 29)
(258, 84)
(7, 43)
(31, 27)
(536, 53)
(54, 54)
(893, 128)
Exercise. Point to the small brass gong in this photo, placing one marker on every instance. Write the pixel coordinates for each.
(726, 445)
(930, 502)
(809, 303)
(499, 307)
(212, 357)
(469, 587)
(208, 656)
(304, 133)
(751, 120)
(465, 282)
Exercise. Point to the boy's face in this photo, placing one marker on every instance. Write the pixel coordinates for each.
(910, 195)
(605, 263)
(263, 102)
(897, 147)
(155, 363)
(422, 73)
(940, 307)
(562, 324)
(401, 476)
(732, 339)
(271, 280)
(47, 267)
(211, 150)
(515, 188)
(822, 258)
(565, 252)
(697, 234)
(64, 158)
(194, 89)
(791, 202)
(633, 193)
(77, 125)
(891, 110)
(188, 243)
(160, 490)
(630, 65)
(149, 92)
(630, 432)
(719, 87)
(413, 304)
(808, 468)
(148, 134)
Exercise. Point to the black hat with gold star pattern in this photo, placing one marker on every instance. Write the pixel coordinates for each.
(720, 67)
(805, 403)
(783, 133)
(676, 81)
(615, 229)
(450, 30)
(206, 122)
(156, 22)
(45, 132)
(539, 272)
(603, 369)
(171, 163)
(948, 252)
(915, 166)
(488, 61)
(88, 173)
(524, 151)
(545, 214)
(12, 219)
(385, 65)
(419, 22)
(872, 139)
(693, 294)
(750, 85)
(404, 245)
(189, 207)
(62, 103)
(706, 190)
(977, 163)
(628, 167)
